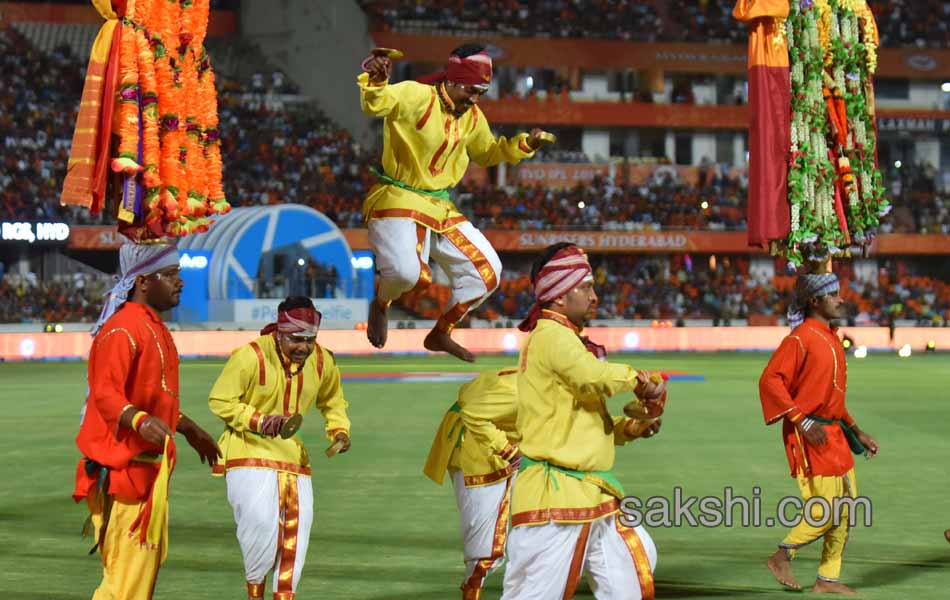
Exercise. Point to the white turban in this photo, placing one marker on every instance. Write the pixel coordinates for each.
(808, 286)
(135, 260)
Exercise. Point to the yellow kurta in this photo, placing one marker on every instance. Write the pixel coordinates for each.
(426, 147)
(561, 393)
(253, 385)
(478, 432)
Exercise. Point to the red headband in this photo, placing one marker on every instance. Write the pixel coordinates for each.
(297, 321)
(471, 70)
(566, 269)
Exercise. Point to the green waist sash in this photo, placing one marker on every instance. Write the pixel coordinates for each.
(854, 442)
(456, 408)
(605, 480)
(442, 194)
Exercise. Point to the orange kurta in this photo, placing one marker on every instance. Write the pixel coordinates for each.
(808, 375)
(134, 361)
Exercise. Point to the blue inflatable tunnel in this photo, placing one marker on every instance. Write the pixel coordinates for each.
(241, 242)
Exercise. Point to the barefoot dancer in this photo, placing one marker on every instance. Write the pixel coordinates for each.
(804, 387)
(432, 131)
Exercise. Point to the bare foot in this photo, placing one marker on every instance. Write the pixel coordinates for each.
(378, 324)
(832, 587)
(439, 341)
(781, 568)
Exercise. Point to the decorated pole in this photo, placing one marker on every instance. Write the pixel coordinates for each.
(814, 186)
(149, 117)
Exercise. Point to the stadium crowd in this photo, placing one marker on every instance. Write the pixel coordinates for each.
(678, 287)
(39, 94)
(924, 23)
(604, 205)
(610, 19)
(631, 287)
(74, 299)
(279, 147)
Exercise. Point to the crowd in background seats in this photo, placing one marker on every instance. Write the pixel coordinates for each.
(278, 147)
(39, 94)
(721, 289)
(628, 286)
(921, 199)
(276, 151)
(604, 205)
(74, 299)
(608, 19)
(702, 22)
(916, 23)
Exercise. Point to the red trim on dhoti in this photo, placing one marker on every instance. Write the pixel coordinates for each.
(577, 561)
(290, 509)
(640, 559)
(450, 319)
(419, 217)
(260, 463)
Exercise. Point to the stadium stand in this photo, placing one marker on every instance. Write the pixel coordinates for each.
(281, 148)
(721, 289)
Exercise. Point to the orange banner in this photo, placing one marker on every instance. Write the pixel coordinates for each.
(102, 237)
(607, 54)
(582, 53)
(557, 175)
(670, 242)
(911, 243)
(94, 237)
(659, 242)
(554, 111)
(220, 22)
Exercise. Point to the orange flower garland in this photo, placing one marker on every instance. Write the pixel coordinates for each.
(167, 115)
(148, 89)
(209, 117)
(126, 160)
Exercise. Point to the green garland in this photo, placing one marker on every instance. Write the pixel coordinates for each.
(843, 62)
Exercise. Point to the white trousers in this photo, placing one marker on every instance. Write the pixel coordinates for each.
(274, 512)
(483, 514)
(545, 561)
(403, 248)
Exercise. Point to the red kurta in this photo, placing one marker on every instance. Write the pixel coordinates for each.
(134, 361)
(808, 375)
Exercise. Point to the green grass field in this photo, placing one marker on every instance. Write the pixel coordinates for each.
(384, 531)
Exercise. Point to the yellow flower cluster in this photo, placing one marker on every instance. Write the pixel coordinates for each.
(869, 36)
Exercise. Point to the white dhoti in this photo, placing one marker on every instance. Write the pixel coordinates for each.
(483, 514)
(274, 512)
(403, 248)
(545, 562)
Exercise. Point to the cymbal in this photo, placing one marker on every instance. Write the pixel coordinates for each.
(334, 448)
(291, 425)
(390, 53)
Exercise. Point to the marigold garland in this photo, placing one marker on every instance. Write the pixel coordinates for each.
(126, 160)
(166, 77)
